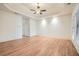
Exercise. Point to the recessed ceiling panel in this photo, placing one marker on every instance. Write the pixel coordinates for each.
(51, 8)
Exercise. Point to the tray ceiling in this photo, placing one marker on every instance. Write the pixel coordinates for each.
(51, 9)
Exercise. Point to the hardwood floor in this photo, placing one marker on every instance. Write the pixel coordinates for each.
(38, 46)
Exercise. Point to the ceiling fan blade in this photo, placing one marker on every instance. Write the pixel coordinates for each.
(43, 10)
(32, 10)
(40, 13)
(38, 7)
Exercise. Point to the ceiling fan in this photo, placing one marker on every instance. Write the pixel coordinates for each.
(38, 10)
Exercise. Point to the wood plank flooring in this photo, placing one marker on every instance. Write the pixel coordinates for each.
(38, 46)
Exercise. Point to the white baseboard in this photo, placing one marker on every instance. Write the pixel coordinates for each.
(9, 39)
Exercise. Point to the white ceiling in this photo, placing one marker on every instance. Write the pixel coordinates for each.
(52, 9)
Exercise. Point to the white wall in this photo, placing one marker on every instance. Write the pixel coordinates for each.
(10, 26)
(26, 26)
(32, 27)
(56, 27)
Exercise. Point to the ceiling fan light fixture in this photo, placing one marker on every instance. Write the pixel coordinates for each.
(38, 10)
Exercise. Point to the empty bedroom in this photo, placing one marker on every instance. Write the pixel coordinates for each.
(39, 29)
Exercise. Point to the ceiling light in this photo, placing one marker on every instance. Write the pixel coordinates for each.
(43, 22)
(55, 20)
